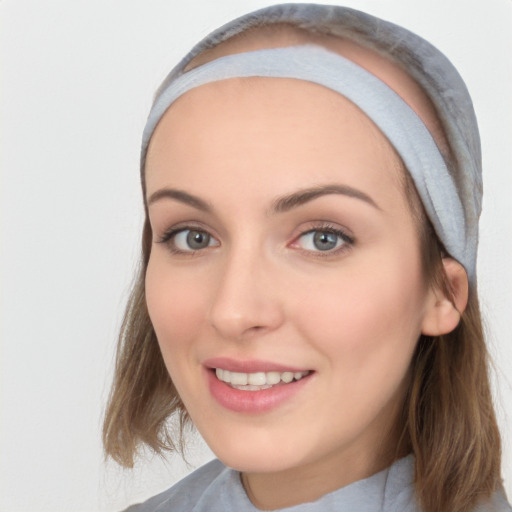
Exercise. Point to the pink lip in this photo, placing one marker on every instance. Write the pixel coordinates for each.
(251, 402)
(251, 366)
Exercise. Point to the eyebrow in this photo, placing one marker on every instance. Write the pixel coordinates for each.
(181, 196)
(280, 205)
(288, 202)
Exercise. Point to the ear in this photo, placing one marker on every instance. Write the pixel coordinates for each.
(443, 312)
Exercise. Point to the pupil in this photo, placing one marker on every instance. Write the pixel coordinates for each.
(198, 239)
(325, 241)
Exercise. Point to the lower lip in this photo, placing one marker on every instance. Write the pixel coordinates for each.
(253, 402)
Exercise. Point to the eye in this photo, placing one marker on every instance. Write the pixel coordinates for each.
(323, 240)
(188, 240)
(192, 240)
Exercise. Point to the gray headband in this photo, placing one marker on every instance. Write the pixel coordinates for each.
(451, 196)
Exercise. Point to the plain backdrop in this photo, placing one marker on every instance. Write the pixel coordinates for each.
(77, 78)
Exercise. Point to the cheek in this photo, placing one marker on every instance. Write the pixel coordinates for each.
(367, 337)
(175, 304)
(352, 304)
(366, 322)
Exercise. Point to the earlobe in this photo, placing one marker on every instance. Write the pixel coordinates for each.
(443, 314)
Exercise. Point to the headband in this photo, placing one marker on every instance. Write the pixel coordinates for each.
(397, 121)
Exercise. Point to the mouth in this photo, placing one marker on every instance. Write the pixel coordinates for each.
(258, 381)
(254, 387)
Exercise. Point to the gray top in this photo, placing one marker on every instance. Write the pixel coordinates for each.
(216, 488)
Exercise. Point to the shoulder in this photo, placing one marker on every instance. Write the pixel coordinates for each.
(497, 503)
(186, 493)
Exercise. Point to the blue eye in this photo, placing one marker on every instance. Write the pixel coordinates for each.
(189, 240)
(323, 240)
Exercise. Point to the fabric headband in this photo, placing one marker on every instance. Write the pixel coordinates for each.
(397, 121)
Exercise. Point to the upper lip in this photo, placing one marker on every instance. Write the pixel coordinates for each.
(249, 366)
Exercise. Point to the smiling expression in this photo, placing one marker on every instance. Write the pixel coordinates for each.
(284, 283)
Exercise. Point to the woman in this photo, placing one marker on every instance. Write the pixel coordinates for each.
(307, 298)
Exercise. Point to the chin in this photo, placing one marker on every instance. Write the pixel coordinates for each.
(257, 461)
(258, 450)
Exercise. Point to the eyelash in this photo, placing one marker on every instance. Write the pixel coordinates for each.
(347, 241)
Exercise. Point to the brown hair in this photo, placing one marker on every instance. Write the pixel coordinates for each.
(447, 419)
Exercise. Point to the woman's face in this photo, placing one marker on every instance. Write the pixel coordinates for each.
(283, 248)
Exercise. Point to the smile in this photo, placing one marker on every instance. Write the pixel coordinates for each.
(257, 381)
(254, 387)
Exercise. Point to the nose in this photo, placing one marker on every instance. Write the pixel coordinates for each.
(246, 300)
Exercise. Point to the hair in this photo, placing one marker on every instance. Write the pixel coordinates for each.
(447, 419)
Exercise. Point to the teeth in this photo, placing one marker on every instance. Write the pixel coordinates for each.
(239, 379)
(258, 380)
(273, 378)
(287, 377)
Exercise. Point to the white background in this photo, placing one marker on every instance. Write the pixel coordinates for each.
(77, 79)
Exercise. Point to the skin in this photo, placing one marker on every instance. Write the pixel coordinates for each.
(262, 290)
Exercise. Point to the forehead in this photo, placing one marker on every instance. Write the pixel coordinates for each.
(392, 74)
(268, 134)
